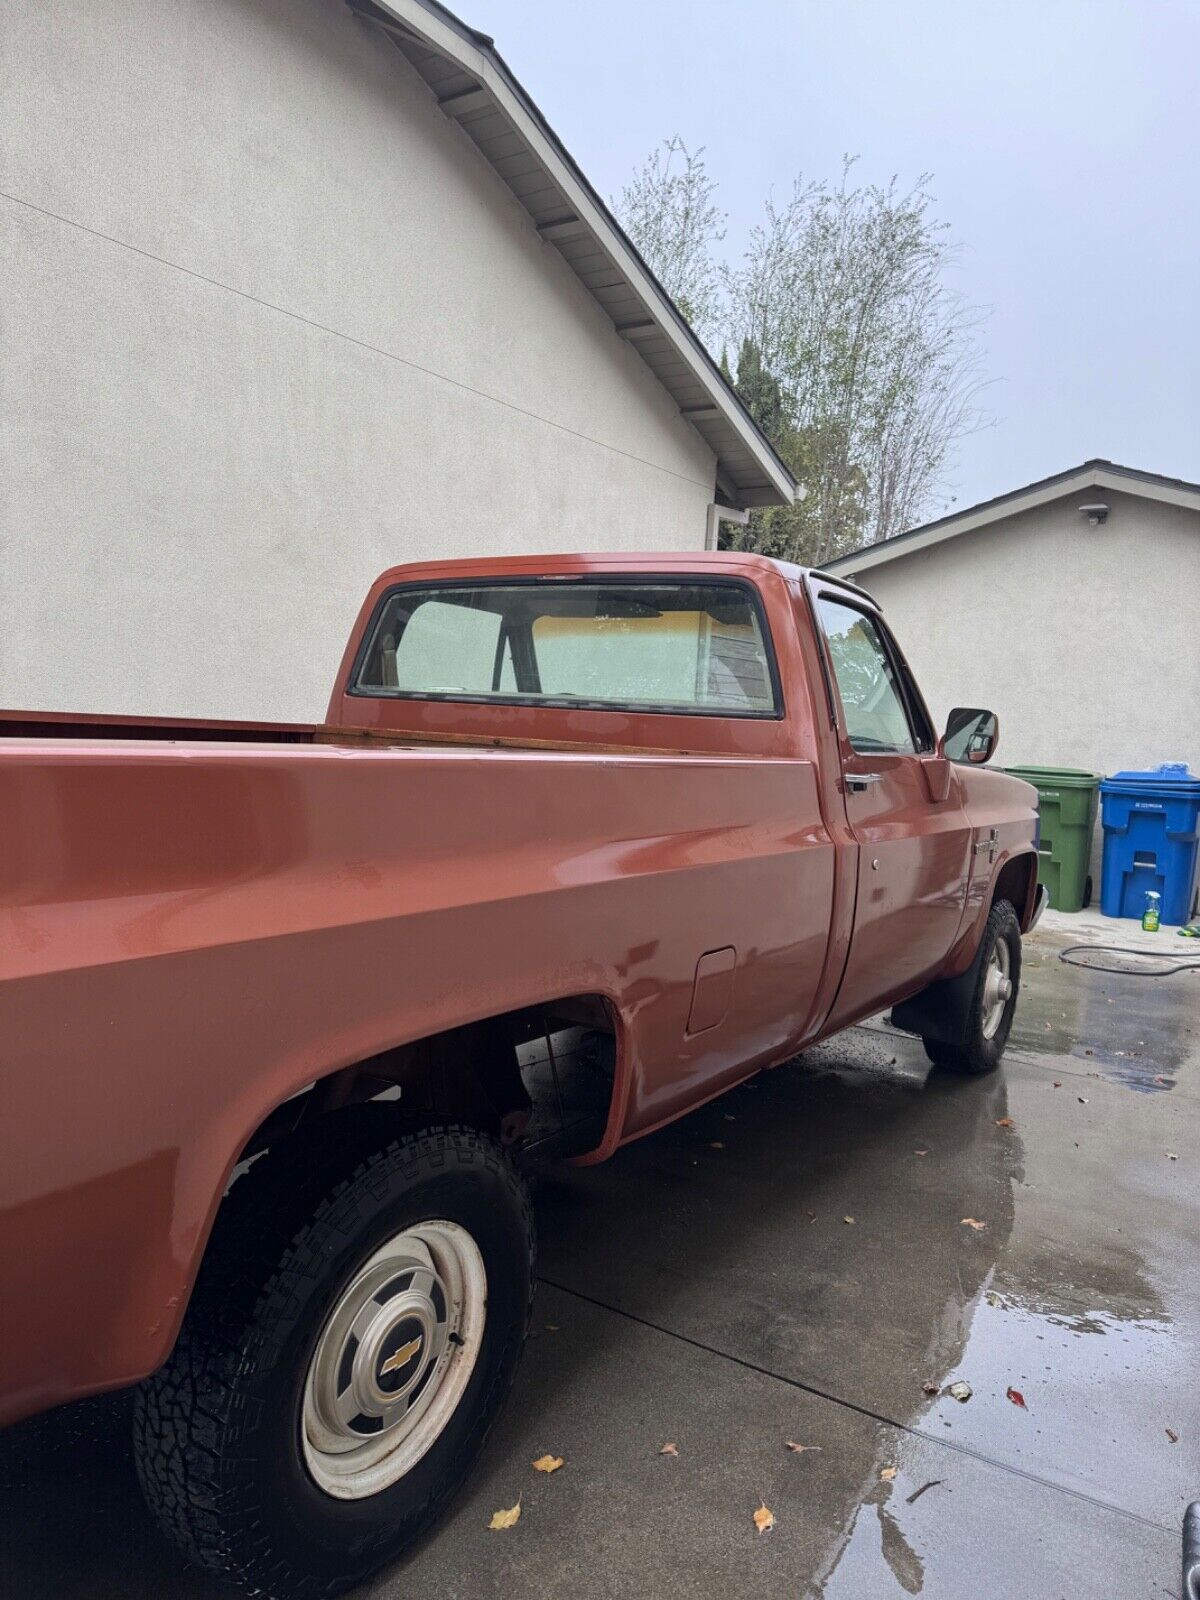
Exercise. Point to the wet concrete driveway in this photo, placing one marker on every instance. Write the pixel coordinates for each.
(707, 1288)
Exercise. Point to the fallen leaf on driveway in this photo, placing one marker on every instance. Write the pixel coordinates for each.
(920, 1152)
(1017, 1398)
(973, 1222)
(887, 1474)
(506, 1519)
(960, 1391)
(669, 1450)
(847, 1219)
(1005, 1122)
(1058, 1083)
(1170, 1155)
(1082, 1100)
(930, 1387)
(547, 1463)
(790, 1444)
(716, 1145)
(764, 1520)
(1172, 1435)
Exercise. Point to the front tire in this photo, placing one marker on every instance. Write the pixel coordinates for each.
(987, 1018)
(353, 1333)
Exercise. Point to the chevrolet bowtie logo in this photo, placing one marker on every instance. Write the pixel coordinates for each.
(401, 1357)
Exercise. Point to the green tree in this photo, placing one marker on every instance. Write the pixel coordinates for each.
(667, 210)
(844, 295)
(797, 532)
(855, 355)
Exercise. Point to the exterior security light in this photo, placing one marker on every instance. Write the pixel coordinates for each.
(1097, 515)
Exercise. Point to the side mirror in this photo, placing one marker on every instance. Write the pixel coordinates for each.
(971, 735)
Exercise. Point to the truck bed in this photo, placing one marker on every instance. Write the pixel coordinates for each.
(86, 725)
(192, 928)
(77, 725)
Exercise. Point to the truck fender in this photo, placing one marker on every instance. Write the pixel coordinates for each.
(1014, 878)
(939, 1011)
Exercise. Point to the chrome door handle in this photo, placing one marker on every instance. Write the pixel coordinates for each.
(862, 780)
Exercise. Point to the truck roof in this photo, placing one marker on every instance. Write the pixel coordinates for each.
(745, 561)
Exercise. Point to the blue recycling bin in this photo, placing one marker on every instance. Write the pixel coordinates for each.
(1151, 841)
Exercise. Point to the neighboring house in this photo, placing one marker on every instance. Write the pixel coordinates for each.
(294, 291)
(1070, 607)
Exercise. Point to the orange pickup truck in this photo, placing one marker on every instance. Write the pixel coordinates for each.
(285, 1011)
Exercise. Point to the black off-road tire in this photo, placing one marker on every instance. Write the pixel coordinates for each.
(217, 1431)
(972, 1053)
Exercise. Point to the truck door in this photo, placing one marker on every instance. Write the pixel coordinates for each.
(904, 807)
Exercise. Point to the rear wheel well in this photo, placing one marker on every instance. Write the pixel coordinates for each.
(472, 1075)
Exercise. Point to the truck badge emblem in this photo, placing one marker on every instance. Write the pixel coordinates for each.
(401, 1357)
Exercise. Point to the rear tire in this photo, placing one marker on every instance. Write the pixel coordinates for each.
(989, 1013)
(242, 1469)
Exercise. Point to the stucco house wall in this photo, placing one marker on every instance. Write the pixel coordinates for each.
(272, 324)
(1085, 640)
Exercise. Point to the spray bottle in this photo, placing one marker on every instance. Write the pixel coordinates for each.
(1150, 914)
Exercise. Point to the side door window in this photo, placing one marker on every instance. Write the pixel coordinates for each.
(870, 683)
(913, 856)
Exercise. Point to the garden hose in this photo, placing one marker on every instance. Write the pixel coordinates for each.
(1191, 965)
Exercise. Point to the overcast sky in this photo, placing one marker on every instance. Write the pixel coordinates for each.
(1064, 141)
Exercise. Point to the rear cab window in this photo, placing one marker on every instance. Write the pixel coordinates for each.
(680, 646)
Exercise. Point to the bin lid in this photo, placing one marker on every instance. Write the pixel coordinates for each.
(1171, 778)
(1056, 777)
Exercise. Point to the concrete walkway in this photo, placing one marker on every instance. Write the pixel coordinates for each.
(1093, 926)
(706, 1289)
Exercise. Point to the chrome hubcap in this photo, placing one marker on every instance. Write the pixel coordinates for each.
(997, 988)
(393, 1359)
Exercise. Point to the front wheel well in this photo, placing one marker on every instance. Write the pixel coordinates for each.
(1016, 882)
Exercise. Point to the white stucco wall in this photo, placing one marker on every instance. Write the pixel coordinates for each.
(1085, 641)
(271, 324)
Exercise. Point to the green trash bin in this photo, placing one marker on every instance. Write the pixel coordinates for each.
(1067, 816)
